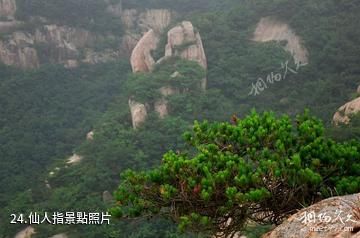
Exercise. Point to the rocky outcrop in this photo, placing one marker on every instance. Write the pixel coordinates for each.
(343, 114)
(90, 136)
(269, 29)
(26, 233)
(138, 113)
(136, 23)
(184, 41)
(74, 159)
(58, 44)
(7, 8)
(141, 59)
(337, 217)
(24, 57)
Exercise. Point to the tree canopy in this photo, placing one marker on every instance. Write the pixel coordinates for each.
(260, 168)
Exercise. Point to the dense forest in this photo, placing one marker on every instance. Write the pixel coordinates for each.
(46, 113)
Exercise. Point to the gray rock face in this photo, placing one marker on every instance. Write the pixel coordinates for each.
(334, 217)
(269, 29)
(24, 57)
(62, 44)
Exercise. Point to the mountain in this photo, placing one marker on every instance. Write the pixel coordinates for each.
(133, 75)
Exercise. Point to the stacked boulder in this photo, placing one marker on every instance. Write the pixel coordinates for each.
(183, 41)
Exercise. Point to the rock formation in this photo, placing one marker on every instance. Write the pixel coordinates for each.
(7, 8)
(184, 41)
(25, 57)
(269, 29)
(26, 233)
(334, 217)
(141, 59)
(342, 116)
(138, 113)
(90, 136)
(74, 159)
(136, 23)
(61, 44)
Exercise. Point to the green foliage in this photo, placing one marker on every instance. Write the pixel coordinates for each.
(260, 168)
(44, 115)
(180, 75)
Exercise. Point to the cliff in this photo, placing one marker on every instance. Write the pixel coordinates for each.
(38, 41)
(269, 29)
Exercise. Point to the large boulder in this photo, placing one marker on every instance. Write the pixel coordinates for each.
(270, 29)
(343, 114)
(337, 217)
(141, 59)
(184, 41)
(138, 113)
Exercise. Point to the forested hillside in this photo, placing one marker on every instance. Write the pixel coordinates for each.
(47, 111)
